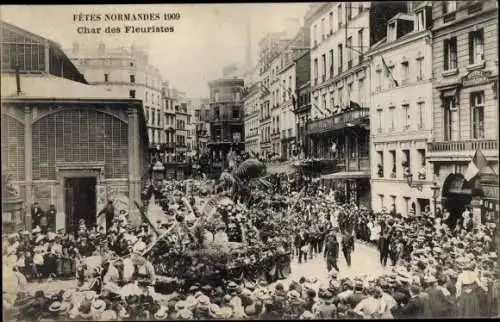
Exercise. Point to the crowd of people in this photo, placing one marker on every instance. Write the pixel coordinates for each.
(437, 269)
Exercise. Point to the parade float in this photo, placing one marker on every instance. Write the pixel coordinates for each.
(214, 245)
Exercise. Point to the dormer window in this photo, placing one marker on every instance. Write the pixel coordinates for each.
(420, 20)
(391, 31)
(449, 6)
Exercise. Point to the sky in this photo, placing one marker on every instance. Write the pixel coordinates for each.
(207, 37)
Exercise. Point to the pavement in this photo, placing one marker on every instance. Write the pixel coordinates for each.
(364, 262)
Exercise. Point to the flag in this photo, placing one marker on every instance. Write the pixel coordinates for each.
(477, 163)
(388, 71)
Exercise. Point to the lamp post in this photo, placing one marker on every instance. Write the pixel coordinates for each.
(435, 189)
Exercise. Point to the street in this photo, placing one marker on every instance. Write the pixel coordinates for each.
(364, 261)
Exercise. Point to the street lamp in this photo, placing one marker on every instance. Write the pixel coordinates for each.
(435, 190)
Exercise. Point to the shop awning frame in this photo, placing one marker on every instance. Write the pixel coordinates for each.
(347, 175)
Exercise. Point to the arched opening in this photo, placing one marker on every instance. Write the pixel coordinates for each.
(457, 194)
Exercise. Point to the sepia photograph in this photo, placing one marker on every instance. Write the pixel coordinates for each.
(250, 161)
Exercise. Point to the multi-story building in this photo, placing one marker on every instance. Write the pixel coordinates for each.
(127, 73)
(465, 67)
(252, 109)
(276, 101)
(294, 72)
(226, 121)
(65, 142)
(339, 130)
(168, 158)
(182, 120)
(269, 49)
(401, 114)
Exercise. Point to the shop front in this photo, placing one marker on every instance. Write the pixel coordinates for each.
(349, 187)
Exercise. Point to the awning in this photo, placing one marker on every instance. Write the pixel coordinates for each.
(347, 175)
(449, 92)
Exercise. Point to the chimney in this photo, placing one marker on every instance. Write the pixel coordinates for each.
(18, 81)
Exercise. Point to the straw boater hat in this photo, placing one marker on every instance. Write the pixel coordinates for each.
(58, 307)
(139, 247)
(98, 306)
(162, 313)
(180, 305)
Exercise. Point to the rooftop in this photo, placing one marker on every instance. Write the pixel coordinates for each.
(46, 86)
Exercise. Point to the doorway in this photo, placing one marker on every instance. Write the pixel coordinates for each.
(80, 202)
(455, 204)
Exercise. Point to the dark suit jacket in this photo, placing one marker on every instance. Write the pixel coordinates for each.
(440, 304)
(414, 309)
(332, 250)
(36, 214)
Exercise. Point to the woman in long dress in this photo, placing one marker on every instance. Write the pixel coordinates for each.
(469, 293)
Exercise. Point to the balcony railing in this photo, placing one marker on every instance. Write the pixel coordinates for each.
(458, 146)
(224, 118)
(338, 121)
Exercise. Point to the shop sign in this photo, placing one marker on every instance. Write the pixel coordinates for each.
(476, 77)
(491, 192)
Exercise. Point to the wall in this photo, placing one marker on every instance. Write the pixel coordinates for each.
(460, 29)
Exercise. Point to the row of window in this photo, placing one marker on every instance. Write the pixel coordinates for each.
(340, 97)
(351, 10)
(406, 166)
(157, 136)
(407, 204)
(387, 120)
(451, 117)
(328, 69)
(406, 72)
(476, 50)
(235, 113)
(265, 135)
(236, 96)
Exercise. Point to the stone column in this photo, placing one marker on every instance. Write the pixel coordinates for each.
(28, 171)
(133, 165)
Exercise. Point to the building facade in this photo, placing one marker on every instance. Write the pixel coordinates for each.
(127, 73)
(401, 115)
(276, 102)
(269, 49)
(339, 130)
(65, 142)
(251, 117)
(182, 135)
(226, 121)
(294, 72)
(465, 97)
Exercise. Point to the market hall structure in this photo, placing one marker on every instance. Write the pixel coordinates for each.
(64, 142)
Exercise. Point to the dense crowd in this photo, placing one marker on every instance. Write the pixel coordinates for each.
(439, 269)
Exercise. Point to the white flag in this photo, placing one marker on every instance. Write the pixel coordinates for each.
(472, 171)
